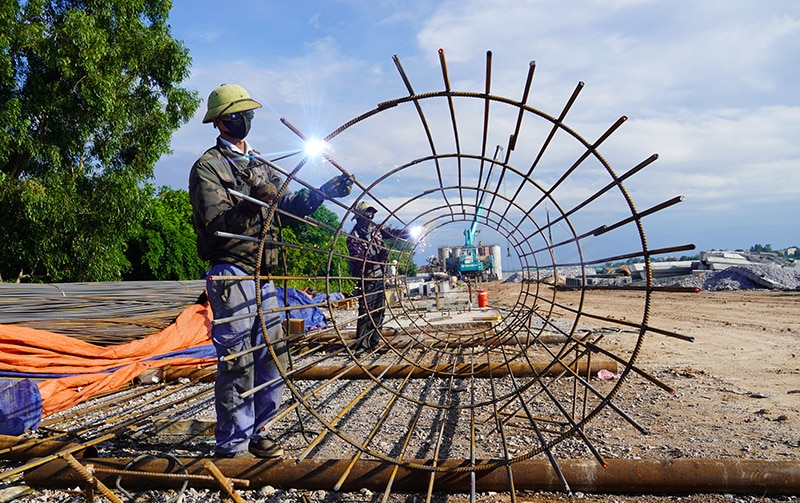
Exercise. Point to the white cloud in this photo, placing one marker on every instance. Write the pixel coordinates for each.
(707, 85)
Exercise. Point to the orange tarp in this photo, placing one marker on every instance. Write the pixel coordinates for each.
(30, 351)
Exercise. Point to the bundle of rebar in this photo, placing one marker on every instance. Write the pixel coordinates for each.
(103, 313)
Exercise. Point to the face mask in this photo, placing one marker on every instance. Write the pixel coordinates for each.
(238, 124)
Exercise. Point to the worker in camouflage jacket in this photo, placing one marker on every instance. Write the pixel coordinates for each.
(231, 164)
(368, 257)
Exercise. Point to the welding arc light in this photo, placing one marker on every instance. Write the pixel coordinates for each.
(416, 232)
(315, 147)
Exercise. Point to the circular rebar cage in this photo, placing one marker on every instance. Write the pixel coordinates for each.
(455, 376)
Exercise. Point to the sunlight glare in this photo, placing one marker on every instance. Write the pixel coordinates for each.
(315, 147)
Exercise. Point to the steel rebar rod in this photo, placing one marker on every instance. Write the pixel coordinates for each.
(669, 476)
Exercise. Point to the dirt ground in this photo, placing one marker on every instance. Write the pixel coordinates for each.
(737, 385)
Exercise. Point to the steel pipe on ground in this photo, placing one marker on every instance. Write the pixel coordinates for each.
(23, 449)
(673, 476)
(461, 337)
(482, 371)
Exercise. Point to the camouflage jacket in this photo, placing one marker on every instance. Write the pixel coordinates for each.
(215, 210)
(368, 253)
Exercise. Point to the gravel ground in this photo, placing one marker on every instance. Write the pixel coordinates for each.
(722, 408)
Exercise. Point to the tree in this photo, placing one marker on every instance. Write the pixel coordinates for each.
(89, 86)
(757, 248)
(164, 245)
(312, 259)
(67, 228)
(89, 98)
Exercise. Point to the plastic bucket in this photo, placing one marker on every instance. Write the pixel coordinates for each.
(483, 298)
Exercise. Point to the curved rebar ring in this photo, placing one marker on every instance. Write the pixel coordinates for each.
(501, 384)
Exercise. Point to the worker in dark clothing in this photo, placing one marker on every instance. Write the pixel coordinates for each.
(231, 164)
(368, 257)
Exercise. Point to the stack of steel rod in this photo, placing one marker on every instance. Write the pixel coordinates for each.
(101, 313)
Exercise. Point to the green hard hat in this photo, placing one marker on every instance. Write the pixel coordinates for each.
(363, 207)
(227, 99)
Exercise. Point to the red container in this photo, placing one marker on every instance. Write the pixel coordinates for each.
(483, 298)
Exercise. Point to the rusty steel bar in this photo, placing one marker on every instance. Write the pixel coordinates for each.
(130, 394)
(224, 483)
(403, 339)
(459, 196)
(302, 399)
(439, 437)
(483, 371)
(338, 417)
(542, 441)
(410, 430)
(34, 462)
(85, 473)
(175, 476)
(503, 438)
(129, 422)
(22, 449)
(668, 476)
(375, 429)
(615, 321)
(472, 456)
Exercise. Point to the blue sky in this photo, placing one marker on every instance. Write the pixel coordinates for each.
(711, 86)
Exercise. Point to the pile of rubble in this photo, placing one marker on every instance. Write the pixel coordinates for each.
(547, 275)
(749, 276)
(745, 277)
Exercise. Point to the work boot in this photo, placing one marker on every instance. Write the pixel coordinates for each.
(265, 448)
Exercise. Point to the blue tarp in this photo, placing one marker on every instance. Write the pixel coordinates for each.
(21, 406)
(313, 317)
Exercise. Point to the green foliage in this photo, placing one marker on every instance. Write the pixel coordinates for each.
(163, 247)
(89, 86)
(405, 263)
(790, 252)
(757, 248)
(64, 228)
(60, 227)
(311, 260)
(89, 99)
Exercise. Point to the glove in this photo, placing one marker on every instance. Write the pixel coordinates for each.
(264, 192)
(306, 202)
(404, 234)
(338, 186)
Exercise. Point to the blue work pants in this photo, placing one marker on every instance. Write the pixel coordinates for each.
(240, 420)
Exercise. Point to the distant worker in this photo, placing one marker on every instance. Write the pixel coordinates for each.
(393, 270)
(368, 255)
(232, 164)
